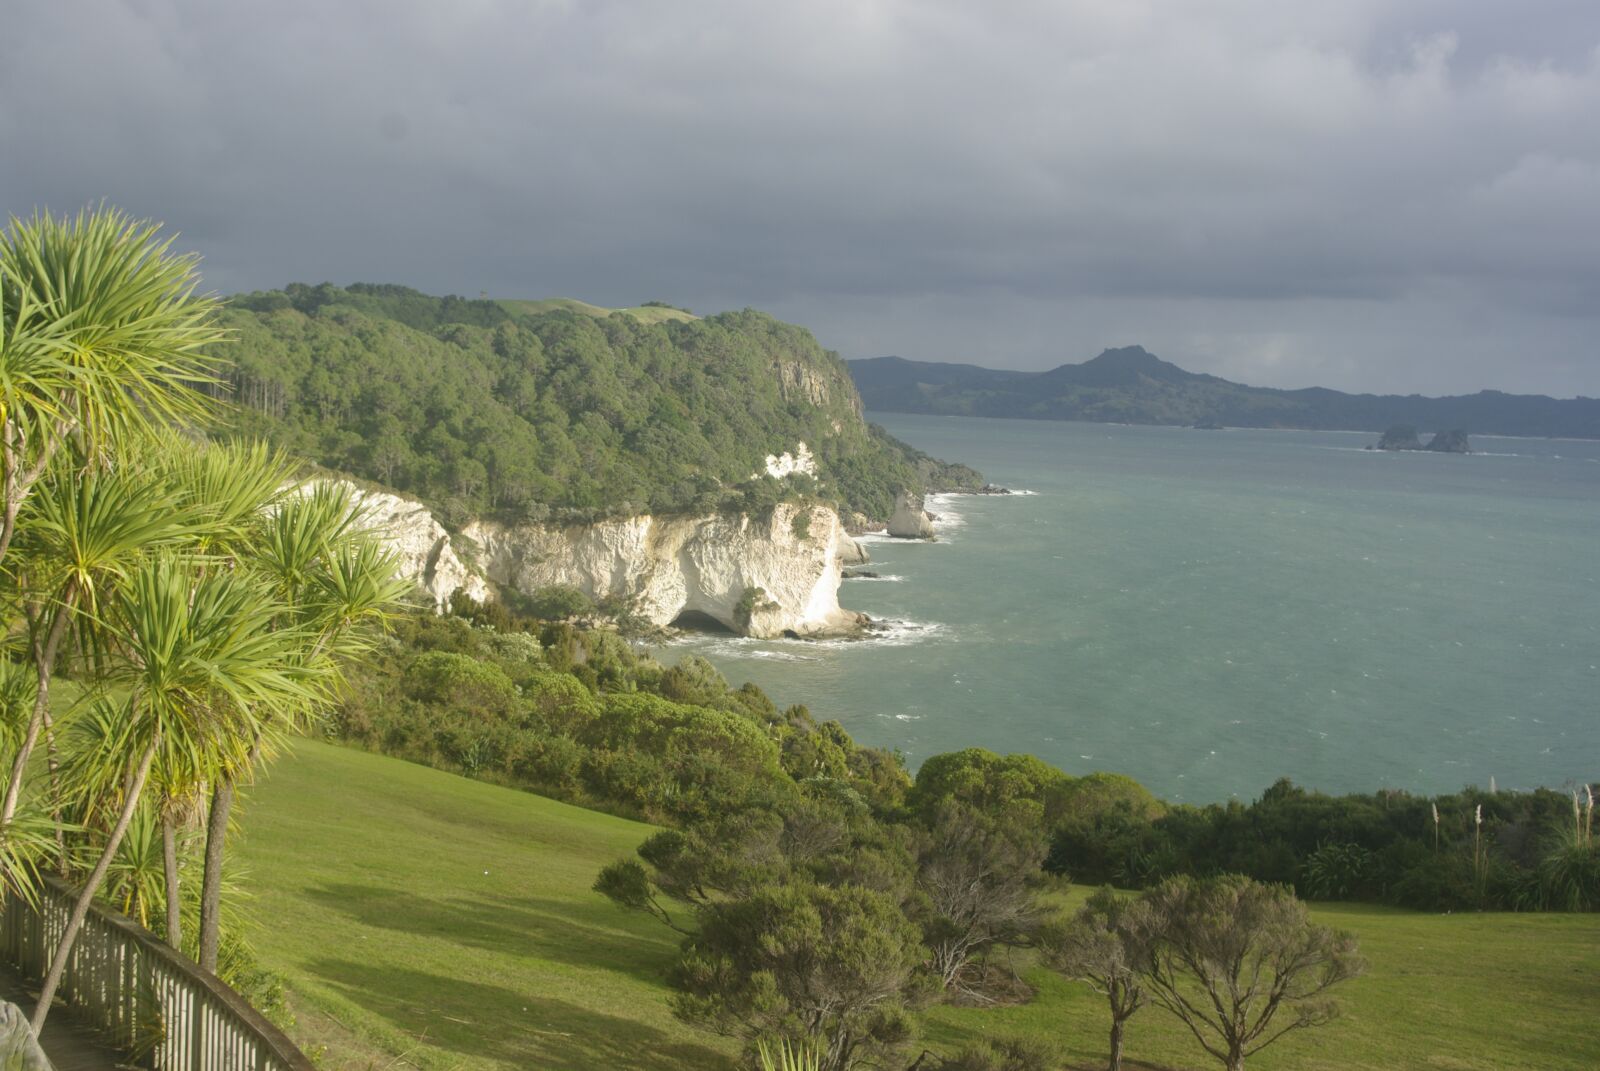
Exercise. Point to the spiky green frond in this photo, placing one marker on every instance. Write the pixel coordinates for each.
(106, 296)
(87, 533)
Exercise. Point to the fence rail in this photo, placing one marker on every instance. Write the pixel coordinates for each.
(149, 1000)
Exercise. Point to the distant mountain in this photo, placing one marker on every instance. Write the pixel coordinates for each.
(1133, 386)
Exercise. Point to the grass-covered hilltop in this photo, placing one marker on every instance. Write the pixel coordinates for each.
(536, 410)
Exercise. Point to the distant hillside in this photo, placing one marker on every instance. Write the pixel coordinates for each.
(1132, 386)
(558, 409)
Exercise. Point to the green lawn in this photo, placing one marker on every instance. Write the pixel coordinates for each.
(421, 914)
(1480, 992)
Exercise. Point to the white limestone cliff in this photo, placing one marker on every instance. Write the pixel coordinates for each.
(427, 555)
(850, 551)
(759, 576)
(762, 577)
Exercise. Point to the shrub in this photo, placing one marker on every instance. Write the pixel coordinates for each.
(459, 681)
(1006, 1054)
(559, 603)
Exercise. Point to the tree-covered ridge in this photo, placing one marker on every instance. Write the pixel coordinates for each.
(1132, 386)
(481, 407)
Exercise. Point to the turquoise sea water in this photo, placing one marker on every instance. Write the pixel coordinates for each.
(1208, 611)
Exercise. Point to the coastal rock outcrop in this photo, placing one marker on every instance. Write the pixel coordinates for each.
(1400, 437)
(910, 519)
(851, 552)
(427, 555)
(1449, 442)
(758, 576)
(1404, 437)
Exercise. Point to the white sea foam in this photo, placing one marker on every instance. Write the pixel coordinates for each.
(882, 633)
(743, 647)
(946, 512)
(886, 577)
(897, 633)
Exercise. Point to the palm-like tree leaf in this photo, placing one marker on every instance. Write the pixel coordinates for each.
(110, 298)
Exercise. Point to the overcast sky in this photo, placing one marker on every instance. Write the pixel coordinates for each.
(1392, 195)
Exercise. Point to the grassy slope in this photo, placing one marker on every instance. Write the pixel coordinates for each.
(452, 921)
(370, 887)
(648, 314)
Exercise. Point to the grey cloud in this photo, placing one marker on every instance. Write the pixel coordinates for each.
(1375, 195)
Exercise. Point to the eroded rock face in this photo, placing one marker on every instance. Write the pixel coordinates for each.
(910, 519)
(1404, 437)
(1400, 437)
(426, 552)
(1449, 442)
(757, 576)
(851, 552)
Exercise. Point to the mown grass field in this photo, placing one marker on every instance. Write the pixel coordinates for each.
(448, 923)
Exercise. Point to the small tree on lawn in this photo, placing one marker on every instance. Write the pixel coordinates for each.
(829, 969)
(1108, 945)
(979, 878)
(1231, 954)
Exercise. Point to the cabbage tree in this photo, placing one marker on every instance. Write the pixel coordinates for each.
(201, 660)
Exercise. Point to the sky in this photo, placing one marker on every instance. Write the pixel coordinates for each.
(1381, 195)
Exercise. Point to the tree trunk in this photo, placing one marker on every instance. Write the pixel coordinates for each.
(18, 485)
(1115, 1063)
(44, 660)
(211, 882)
(1235, 1058)
(53, 762)
(169, 863)
(80, 910)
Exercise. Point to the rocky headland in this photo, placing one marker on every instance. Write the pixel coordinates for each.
(757, 576)
(1404, 437)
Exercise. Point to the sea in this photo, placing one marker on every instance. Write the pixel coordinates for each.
(1209, 611)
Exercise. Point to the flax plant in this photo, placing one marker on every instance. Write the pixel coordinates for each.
(787, 1056)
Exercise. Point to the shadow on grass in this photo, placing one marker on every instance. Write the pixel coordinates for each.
(489, 1022)
(575, 932)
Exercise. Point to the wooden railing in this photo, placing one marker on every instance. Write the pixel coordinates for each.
(149, 1001)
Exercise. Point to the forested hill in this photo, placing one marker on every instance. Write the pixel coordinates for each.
(1132, 386)
(557, 409)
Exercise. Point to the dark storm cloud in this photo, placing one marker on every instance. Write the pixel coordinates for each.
(1374, 195)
